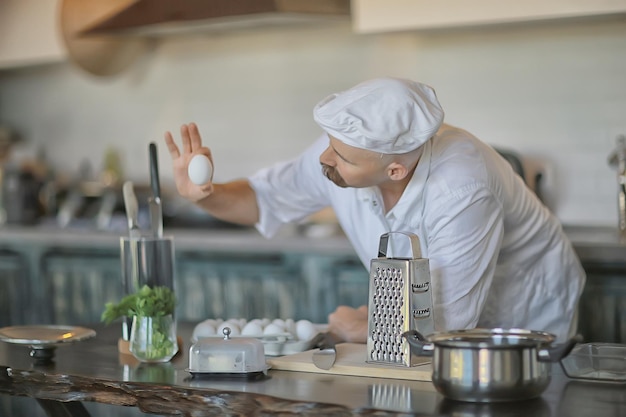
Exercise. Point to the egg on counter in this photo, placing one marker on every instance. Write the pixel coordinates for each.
(257, 321)
(204, 329)
(290, 326)
(215, 322)
(273, 329)
(252, 328)
(279, 323)
(240, 323)
(305, 330)
(299, 330)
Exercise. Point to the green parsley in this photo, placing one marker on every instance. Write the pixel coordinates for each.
(147, 302)
(150, 307)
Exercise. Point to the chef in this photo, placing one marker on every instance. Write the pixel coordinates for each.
(387, 162)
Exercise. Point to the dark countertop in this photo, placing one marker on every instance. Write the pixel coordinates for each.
(93, 370)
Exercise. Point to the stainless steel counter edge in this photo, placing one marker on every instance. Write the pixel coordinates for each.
(597, 243)
(592, 243)
(184, 239)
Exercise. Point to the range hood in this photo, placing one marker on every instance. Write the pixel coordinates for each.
(158, 17)
(104, 37)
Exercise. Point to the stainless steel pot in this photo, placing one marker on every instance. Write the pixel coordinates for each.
(490, 365)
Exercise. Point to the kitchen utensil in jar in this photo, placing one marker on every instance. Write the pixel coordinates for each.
(145, 261)
(399, 300)
(154, 202)
(155, 265)
(134, 233)
(490, 365)
(132, 209)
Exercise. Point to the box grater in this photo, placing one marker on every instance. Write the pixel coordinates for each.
(400, 299)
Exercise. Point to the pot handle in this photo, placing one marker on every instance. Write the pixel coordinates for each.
(557, 352)
(419, 345)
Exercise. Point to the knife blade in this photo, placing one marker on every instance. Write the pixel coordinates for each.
(132, 210)
(134, 234)
(154, 202)
(324, 357)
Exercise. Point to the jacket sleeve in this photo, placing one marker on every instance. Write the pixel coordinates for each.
(464, 235)
(290, 191)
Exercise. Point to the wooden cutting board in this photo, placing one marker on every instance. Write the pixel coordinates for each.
(350, 360)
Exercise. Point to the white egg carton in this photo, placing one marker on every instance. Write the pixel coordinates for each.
(279, 337)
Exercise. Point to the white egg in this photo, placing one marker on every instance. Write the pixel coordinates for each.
(290, 326)
(203, 329)
(234, 329)
(305, 330)
(265, 321)
(257, 321)
(272, 329)
(279, 323)
(252, 329)
(200, 169)
(212, 322)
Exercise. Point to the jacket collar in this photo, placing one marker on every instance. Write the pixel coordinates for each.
(405, 207)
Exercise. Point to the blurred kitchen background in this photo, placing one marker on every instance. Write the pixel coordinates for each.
(544, 81)
(553, 91)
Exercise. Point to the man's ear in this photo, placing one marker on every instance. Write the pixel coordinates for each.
(396, 171)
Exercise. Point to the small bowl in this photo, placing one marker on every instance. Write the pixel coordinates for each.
(596, 361)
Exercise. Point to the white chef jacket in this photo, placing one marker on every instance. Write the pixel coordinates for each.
(498, 257)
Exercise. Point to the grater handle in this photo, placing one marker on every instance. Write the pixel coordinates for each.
(415, 244)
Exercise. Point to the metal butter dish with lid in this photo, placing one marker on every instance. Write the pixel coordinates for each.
(227, 357)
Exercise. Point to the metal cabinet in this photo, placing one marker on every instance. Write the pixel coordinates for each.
(275, 285)
(77, 283)
(71, 284)
(333, 280)
(239, 285)
(602, 308)
(13, 288)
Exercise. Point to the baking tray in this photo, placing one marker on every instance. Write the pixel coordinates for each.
(596, 362)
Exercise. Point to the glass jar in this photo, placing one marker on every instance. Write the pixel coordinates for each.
(153, 339)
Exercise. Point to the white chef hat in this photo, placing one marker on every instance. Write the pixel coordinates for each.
(386, 115)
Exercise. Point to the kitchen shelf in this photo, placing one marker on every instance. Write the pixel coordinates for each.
(375, 16)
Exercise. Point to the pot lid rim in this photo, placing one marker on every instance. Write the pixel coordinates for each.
(482, 337)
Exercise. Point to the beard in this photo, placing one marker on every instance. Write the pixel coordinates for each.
(332, 174)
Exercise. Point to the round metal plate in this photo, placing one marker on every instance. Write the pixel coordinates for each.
(44, 335)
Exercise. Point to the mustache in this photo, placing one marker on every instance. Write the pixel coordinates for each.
(332, 174)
